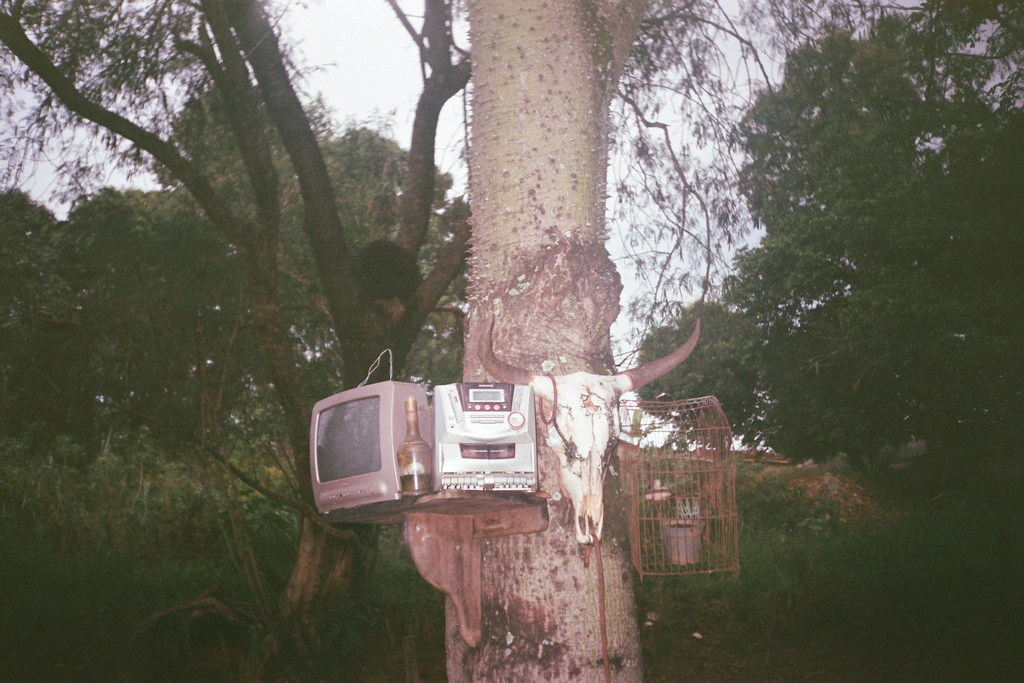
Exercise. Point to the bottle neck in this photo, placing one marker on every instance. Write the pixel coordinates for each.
(412, 419)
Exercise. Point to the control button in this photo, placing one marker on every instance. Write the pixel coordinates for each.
(516, 420)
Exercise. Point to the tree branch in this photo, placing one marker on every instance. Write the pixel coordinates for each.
(416, 37)
(306, 509)
(681, 174)
(433, 287)
(449, 264)
(445, 81)
(728, 30)
(246, 125)
(321, 221)
(13, 36)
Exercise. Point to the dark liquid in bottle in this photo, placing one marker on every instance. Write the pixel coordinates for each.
(413, 484)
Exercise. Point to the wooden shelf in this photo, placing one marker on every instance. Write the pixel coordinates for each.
(444, 532)
(448, 501)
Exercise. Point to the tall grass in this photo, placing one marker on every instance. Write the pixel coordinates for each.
(90, 548)
(134, 499)
(926, 587)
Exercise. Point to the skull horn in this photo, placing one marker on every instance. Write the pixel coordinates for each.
(498, 369)
(656, 368)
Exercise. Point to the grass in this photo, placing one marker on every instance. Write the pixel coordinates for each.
(920, 580)
(926, 587)
(89, 550)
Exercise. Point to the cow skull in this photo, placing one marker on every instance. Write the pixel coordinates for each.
(585, 428)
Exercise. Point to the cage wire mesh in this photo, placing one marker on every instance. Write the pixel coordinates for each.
(679, 474)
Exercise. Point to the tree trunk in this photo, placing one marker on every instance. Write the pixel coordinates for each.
(544, 73)
(324, 568)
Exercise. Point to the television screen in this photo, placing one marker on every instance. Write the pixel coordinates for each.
(353, 440)
(348, 439)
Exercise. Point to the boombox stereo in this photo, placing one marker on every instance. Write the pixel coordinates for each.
(485, 437)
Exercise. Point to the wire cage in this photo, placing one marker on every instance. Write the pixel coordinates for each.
(679, 475)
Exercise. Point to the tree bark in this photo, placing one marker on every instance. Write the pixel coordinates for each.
(324, 568)
(544, 73)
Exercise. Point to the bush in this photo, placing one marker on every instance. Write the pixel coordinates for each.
(926, 590)
(95, 546)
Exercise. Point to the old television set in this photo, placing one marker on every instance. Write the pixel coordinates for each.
(353, 439)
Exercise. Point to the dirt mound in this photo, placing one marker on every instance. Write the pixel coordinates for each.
(827, 490)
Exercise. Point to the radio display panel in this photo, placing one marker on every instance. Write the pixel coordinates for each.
(486, 396)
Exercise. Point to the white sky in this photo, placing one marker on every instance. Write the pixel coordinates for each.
(365, 61)
(365, 65)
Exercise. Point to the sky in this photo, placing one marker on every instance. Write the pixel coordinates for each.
(360, 59)
(365, 65)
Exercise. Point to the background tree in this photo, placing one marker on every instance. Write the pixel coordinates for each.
(115, 318)
(694, 70)
(128, 70)
(674, 204)
(42, 356)
(879, 294)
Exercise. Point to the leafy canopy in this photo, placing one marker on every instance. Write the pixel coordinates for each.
(881, 296)
(885, 171)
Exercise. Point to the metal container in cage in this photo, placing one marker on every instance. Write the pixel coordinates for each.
(679, 478)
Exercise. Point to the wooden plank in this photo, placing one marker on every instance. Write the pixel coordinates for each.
(444, 536)
(448, 557)
(451, 501)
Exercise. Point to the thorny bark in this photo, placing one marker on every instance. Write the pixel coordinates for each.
(544, 75)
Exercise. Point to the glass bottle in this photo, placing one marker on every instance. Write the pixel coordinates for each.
(415, 456)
